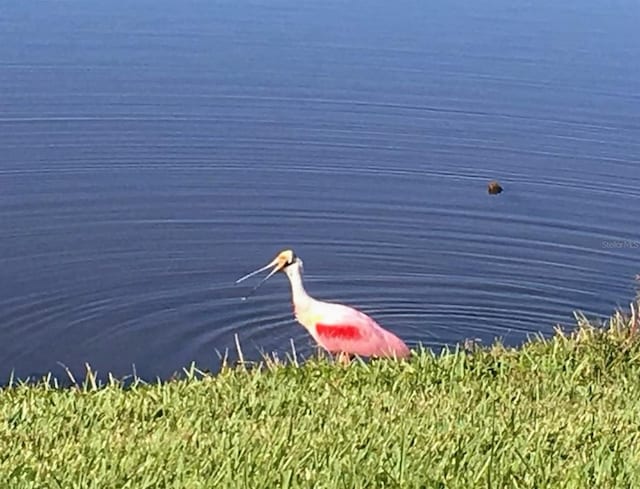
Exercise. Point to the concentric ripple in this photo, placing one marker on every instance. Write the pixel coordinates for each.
(151, 156)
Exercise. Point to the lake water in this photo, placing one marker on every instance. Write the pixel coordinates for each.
(153, 152)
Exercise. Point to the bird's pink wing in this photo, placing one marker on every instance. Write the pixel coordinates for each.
(344, 329)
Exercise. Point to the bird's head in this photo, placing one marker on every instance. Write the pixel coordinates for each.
(285, 260)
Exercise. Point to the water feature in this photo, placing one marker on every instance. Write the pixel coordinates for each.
(150, 154)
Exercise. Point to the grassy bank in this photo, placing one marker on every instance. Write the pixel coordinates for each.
(563, 412)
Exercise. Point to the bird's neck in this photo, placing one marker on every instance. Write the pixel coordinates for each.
(298, 293)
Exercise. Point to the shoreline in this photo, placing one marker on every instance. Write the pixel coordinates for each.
(555, 412)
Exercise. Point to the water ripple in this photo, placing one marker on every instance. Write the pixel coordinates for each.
(149, 159)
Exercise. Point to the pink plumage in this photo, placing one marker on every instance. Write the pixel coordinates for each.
(337, 328)
(343, 329)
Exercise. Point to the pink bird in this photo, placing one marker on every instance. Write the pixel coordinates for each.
(337, 328)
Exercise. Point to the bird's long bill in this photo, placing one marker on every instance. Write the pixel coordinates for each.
(255, 272)
(277, 266)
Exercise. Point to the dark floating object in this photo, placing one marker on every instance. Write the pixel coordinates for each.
(494, 188)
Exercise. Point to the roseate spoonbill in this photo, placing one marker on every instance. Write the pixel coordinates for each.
(337, 328)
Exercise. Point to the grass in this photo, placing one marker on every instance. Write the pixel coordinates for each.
(561, 412)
